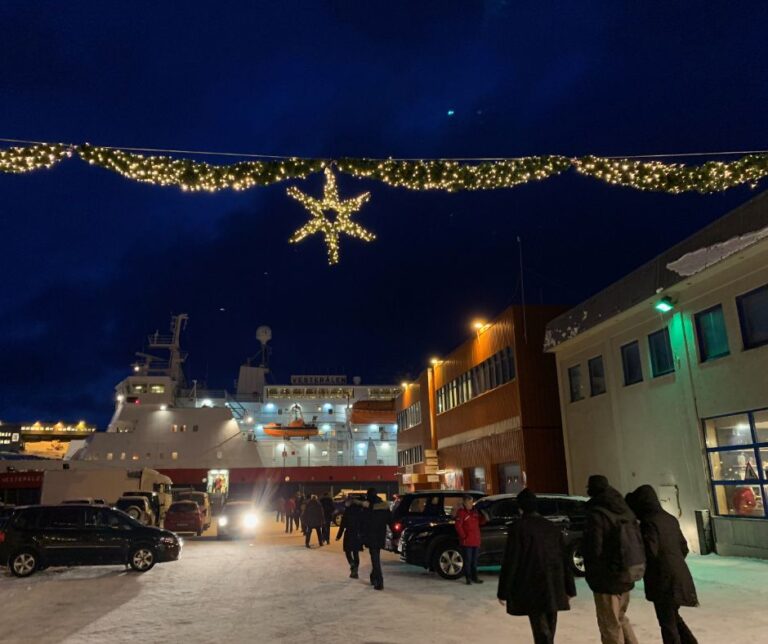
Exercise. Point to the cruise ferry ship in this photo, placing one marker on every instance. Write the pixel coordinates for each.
(317, 432)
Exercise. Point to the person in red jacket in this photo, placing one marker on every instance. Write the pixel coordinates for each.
(468, 522)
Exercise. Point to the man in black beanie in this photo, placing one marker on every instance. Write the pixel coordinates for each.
(535, 580)
(373, 523)
(612, 543)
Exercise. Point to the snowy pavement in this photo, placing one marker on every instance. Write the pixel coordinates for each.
(272, 589)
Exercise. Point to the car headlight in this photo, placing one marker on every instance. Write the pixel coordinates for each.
(223, 521)
(169, 541)
(250, 520)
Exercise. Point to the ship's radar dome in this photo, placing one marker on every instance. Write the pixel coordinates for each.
(263, 334)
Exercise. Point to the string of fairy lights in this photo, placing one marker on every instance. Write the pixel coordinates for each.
(447, 175)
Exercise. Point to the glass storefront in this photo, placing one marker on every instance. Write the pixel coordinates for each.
(737, 455)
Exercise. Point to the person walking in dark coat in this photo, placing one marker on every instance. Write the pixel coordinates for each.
(350, 530)
(328, 511)
(301, 505)
(290, 514)
(668, 582)
(374, 521)
(535, 579)
(312, 519)
(606, 509)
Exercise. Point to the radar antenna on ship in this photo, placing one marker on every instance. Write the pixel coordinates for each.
(172, 366)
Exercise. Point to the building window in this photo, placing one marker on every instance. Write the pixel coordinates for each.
(574, 381)
(596, 376)
(174, 456)
(122, 456)
(753, 316)
(711, 334)
(477, 479)
(110, 456)
(135, 457)
(662, 360)
(630, 362)
(737, 454)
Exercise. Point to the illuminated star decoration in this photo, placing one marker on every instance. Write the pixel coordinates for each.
(330, 227)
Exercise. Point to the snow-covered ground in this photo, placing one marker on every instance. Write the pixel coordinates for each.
(274, 590)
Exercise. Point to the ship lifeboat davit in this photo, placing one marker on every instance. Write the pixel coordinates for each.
(294, 429)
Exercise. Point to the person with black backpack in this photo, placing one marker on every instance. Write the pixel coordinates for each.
(614, 559)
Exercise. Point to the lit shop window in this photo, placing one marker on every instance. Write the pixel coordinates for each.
(737, 451)
(574, 382)
(157, 389)
(596, 376)
(711, 334)
(753, 316)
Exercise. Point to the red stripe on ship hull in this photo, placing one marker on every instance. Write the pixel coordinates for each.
(330, 474)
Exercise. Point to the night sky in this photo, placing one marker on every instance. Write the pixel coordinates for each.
(91, 262)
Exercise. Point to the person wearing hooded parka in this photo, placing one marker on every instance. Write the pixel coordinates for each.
(350, 531)
(668, 582)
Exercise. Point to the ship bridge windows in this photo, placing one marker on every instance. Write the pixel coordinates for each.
(139, 389)
(157, 389)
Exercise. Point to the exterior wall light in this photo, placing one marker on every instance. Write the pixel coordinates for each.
(664, 305)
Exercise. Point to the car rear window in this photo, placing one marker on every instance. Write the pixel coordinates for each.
(26, 519)
(187, 506)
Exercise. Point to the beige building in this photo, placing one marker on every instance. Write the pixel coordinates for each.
(663, 379)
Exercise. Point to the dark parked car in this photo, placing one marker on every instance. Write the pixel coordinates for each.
(435, 546)
(419, 508)
(5, 513)
(39, 536)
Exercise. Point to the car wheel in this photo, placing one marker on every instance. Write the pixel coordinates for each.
(199, 533)
(449, 561)
(576, 560)
(23, 563)
(142, 558)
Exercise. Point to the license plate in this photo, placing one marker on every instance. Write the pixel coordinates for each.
(182, 525)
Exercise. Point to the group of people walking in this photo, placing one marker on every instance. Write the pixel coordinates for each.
(625, 540)
(307, 515)
(363, 525)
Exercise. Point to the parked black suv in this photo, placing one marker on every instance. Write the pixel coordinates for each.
(435, 546)
(419, 508)
(39, 536)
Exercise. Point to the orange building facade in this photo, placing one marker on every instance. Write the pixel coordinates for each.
(487, 415)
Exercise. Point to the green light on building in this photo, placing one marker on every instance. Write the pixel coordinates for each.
(664, 305)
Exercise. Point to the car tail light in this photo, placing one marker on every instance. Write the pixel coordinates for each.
(397, 527)
(2, 536)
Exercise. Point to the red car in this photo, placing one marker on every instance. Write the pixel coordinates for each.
(185, 516)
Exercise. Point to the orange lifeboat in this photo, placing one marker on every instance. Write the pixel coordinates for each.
(297, 428)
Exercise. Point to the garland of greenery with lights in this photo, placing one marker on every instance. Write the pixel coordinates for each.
(434, 174)
(449, 175)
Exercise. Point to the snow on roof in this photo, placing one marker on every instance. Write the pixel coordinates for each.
(732, 233)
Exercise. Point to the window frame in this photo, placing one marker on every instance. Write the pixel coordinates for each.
(761, 480)
(575, 396)
(590, 362)
(635, 343)
(664, 332)
(740, 310)
(700, 335)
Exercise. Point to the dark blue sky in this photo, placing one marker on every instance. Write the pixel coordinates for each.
(91, 262)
